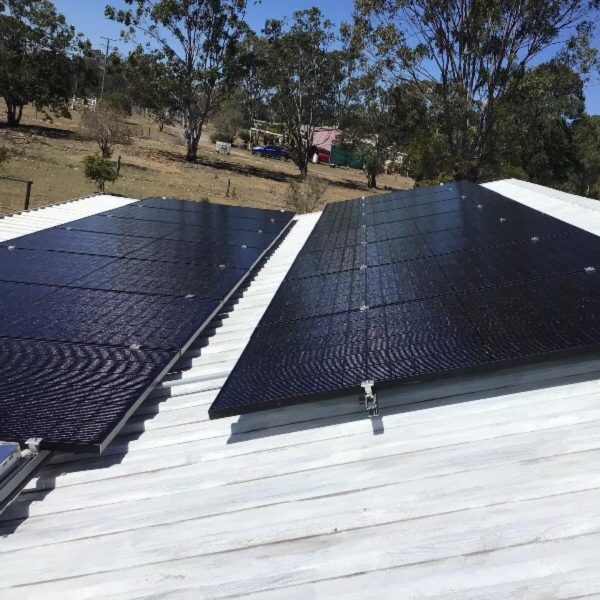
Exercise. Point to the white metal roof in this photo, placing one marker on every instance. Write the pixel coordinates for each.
(490, 490)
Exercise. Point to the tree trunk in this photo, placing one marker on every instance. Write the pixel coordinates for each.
(192, 131)
(371, 180)
(14, 114)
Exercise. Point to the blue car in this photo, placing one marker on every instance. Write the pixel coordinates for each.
(271, 152)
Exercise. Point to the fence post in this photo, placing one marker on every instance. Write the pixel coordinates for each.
(28, 194)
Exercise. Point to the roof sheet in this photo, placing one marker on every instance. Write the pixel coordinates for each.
(491, 490)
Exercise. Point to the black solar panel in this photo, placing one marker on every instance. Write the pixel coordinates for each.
(93, 312)
(415, 285)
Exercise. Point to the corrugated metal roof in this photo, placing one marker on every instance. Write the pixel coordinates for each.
(490, 491)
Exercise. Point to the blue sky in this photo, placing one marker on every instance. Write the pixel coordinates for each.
(88, 18)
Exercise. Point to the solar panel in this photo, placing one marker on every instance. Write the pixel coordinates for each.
(417, 285)
(95, 311)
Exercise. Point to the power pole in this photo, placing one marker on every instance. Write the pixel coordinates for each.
(108, 41)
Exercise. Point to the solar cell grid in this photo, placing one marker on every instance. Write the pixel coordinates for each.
(79, 242)
(93, 312)
(471, 280)
(205, 219)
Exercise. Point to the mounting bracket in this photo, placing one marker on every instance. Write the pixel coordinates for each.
(369, 398)
(33, 445)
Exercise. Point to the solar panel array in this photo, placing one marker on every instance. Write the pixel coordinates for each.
(95, 311)
(419, 284)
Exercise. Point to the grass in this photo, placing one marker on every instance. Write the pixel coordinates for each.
(51, 154)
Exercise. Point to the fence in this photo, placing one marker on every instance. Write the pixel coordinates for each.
(15, 194)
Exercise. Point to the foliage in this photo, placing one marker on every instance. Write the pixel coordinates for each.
(306, 197)
(219, 136)
(36, 45)
(585, 179)
(535, 124)
(300, 77)
(148, 85)
(119, 102)
(229, 118)
(195, 54)
(100, 170)
(244, 135)
(377, 123)
(105, 126)
(463, 55)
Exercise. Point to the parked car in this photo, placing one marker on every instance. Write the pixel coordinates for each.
(320, 155)
(271, 152)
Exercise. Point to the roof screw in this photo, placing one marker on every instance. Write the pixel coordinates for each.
(502, 220)
(244, 246)
(590, 269)
(272, 220)
(535, 239)
(164, 197)
(363, 308)
(221, 266)
(189, 296)
(134, 347)
(363, 198)
(11, 248)
(363, 267)
(463, 197)
(260, 231)
(480, 206)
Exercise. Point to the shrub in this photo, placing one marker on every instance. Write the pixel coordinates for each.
(219, 136)
(99, 170)
(105, 126)
(244, 135)
(119, 102)
(305, 198)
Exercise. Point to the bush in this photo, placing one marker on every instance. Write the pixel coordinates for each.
(219, 136)
(119, 102)
(99, 170)
(306, 198)
(244, 135)
(105, 126)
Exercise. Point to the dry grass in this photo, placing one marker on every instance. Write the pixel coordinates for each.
(50, 154)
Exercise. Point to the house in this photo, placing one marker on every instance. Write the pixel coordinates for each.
(488, 490)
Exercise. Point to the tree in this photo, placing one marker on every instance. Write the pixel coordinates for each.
(585, 179)
(106, 126)
(100, 170)
(149, 85)
(535, 126)
(301, 77)
(196, 43)
(377, 123)
(464, 54)
(119, 102)
(35, 62)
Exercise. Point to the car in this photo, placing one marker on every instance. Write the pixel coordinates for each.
(269, 151)
(320, 155)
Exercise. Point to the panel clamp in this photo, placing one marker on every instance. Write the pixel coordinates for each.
(33, 445)
(369, 398)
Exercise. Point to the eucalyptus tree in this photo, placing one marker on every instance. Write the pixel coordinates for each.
(463, 55)
(196, 43)
(37, 48)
